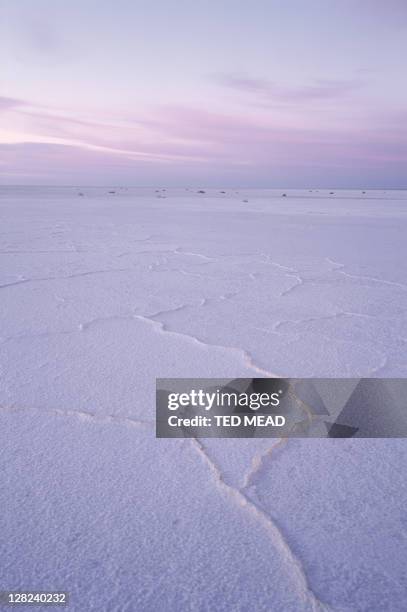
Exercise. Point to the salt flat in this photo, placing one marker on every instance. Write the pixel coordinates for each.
(103, 292)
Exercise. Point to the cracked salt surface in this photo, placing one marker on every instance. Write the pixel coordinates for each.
(100, 297)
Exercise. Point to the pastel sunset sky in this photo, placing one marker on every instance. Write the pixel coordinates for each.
(260, 93)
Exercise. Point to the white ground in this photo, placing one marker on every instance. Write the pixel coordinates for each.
(102, 293)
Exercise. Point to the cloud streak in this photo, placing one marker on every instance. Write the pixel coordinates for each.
(318, 89)
(9, 103)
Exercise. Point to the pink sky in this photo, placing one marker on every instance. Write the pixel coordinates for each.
(230, 93)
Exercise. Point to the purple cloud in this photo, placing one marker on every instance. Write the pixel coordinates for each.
(9, 103)
(319, 89)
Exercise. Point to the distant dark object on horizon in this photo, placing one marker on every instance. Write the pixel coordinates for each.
(331, 193)
(112, 192)
(284, 195)
(80, 193)
(245, 200)
(222, 192)
(201, 191)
